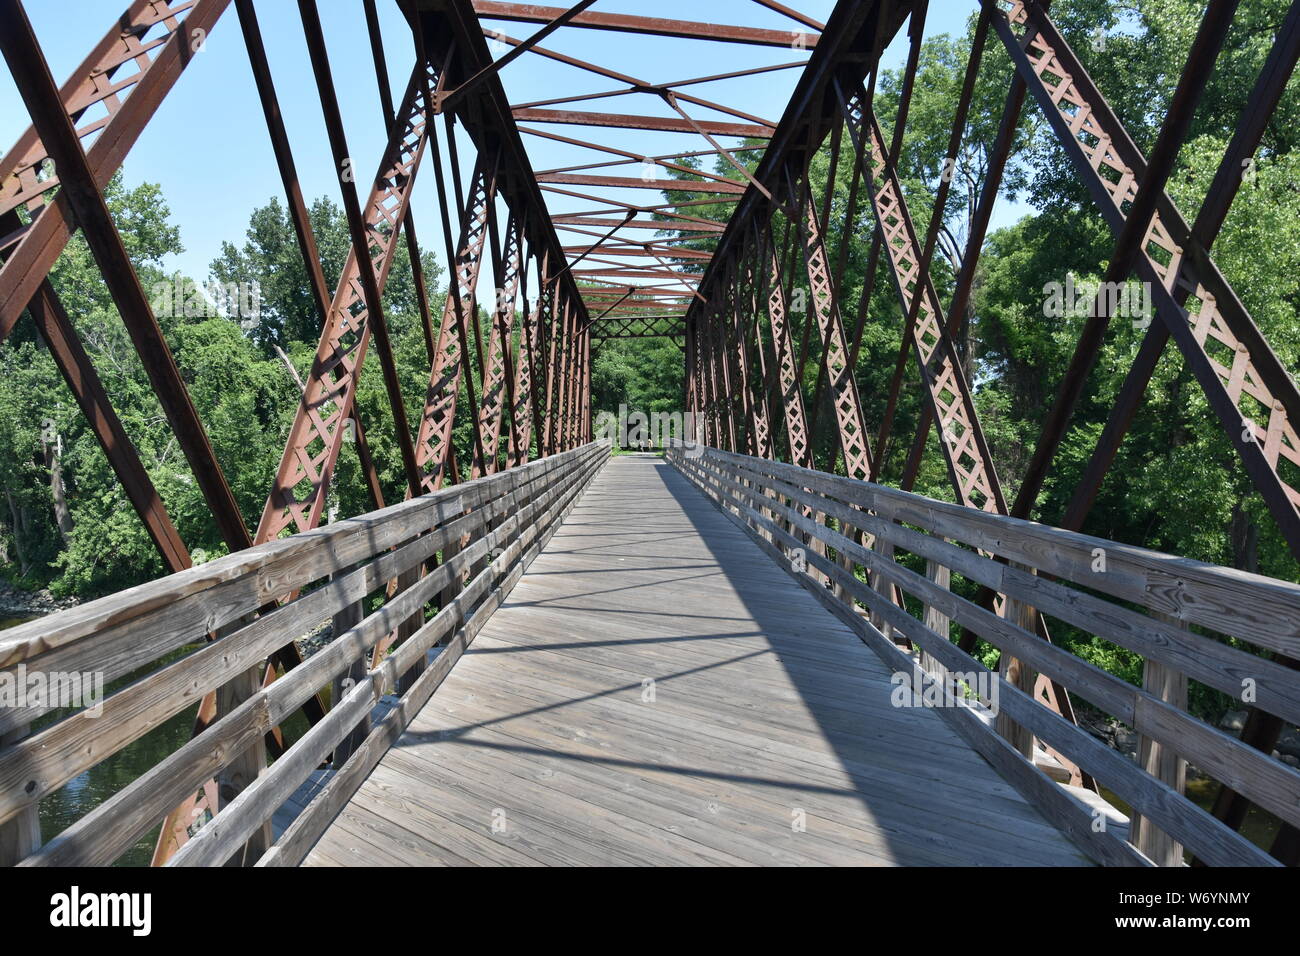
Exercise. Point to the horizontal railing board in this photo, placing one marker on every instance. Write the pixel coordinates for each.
(1210, 661)
(220, 838)
(1255, 775)
(111, 828)
(1252, 607)
(41, 763)
(1198, 830)
(298, 839)
(141, 640)
(325, 550)
(172, 688)
(1062, 811)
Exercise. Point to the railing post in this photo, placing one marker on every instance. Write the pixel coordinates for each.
(406, 580)
(882, 587)
(20, 836)
(1160, 761)
(941, 576)
(1018, 674)
(346, 619)
(245, 767)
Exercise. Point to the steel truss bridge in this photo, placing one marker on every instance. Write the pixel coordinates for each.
(537, 585)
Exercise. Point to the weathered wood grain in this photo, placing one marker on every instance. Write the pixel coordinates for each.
(1273, 784)
(657, 690)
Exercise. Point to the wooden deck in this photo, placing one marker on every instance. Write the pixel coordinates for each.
(657, 690)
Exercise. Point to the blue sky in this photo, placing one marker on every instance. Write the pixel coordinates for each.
(207, 144)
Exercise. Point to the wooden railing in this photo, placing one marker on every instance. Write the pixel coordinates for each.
(457, 551)
(858, 540)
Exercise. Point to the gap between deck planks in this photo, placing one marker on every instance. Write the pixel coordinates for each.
(770, 738)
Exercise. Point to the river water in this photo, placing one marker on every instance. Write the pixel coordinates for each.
(85, 792)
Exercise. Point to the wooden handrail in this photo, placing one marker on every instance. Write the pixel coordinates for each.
(487, 530)
(1034, 566)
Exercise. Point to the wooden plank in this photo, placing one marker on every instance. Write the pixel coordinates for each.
(1152, 797)
(657, 690)
(1270, 783)
(1163, 763)
(300, 837)
(1255, 608)
(258, 802)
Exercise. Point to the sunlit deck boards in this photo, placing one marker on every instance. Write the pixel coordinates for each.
(766, 712)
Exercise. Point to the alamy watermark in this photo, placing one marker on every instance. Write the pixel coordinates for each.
(636, 429)
(1087, 298)
(21, 688)
(945, 689)
(181, 298)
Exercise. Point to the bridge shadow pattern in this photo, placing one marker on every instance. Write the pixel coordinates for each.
(657, 690)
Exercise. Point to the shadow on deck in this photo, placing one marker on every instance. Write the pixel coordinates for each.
(658, 690)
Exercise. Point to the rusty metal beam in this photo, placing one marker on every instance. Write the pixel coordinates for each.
(448, 102)
(1255, 377)
(650, 26)
(83, 381)
(452, 360)
(316, 436)
(81, 194)
(663, 124)
(634, 182)
(970, 466)
(1263, 101)
(655, 224)
(498, 383)
(363, 233)
(1137, 223)
(130, 103)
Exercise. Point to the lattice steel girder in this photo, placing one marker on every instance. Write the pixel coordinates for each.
(970, 466)
(756, 384)
(552, 333)
(725, 391)
(80, 196)
(845, 50)
(319, 427)
(1242, 377)
(451, 361)
(1177, 120)
(485, 115)
(496, 380)
(708, 384)
(835, 358)
(638, 327)
(796, 422)
(129, 102)
(359, 229)
(525, 415)
(568, 360)
(741, 400)
(1264, 98)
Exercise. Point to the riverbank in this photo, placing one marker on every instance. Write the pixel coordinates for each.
(17, 603)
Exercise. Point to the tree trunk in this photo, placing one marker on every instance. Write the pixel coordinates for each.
(1244, 535)
(20, 527)
(58, 490)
